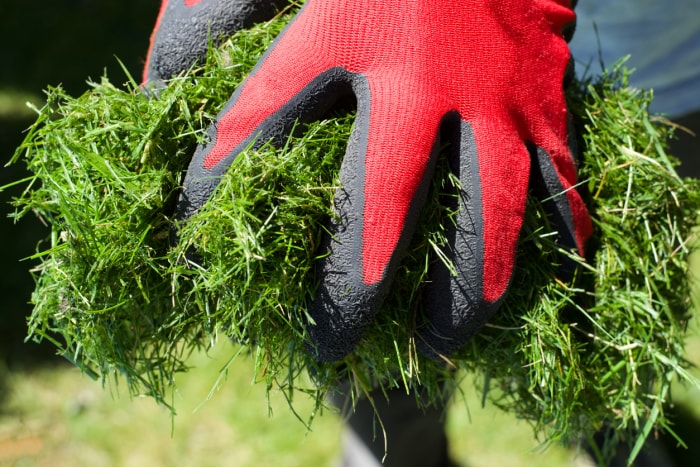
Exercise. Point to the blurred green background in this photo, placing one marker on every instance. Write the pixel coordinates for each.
(50, 414)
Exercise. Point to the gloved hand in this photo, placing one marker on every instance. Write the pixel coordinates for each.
(184, 29)
(484, 74)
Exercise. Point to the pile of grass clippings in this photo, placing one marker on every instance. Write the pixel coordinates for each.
(118, 299)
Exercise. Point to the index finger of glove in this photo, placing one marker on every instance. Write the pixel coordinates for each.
(287, 86)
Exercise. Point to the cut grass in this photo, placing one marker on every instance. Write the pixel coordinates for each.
(118, 299)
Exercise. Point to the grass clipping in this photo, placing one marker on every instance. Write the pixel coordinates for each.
(117, 299)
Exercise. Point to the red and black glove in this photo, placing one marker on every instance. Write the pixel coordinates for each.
(486, 75)
(185, 28)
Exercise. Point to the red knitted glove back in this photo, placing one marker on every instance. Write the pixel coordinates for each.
(413, 66)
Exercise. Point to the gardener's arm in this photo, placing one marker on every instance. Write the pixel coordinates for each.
(485, 76)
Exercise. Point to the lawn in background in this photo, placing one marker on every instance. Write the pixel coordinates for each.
(57, 417)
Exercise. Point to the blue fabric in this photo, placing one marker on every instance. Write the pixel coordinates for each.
(662, 38)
